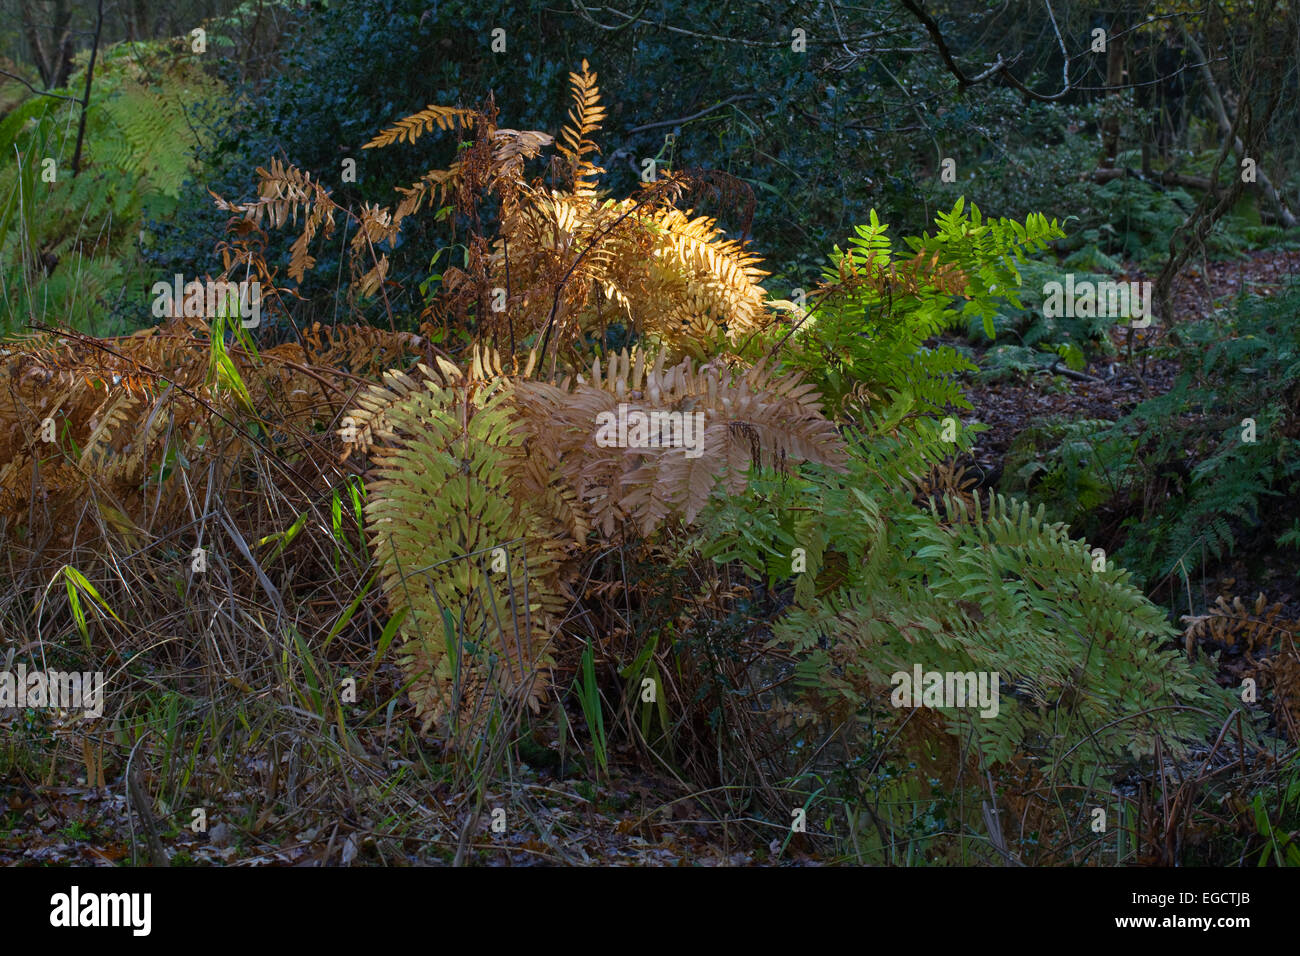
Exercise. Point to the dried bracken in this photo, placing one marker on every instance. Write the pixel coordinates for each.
(485, 486)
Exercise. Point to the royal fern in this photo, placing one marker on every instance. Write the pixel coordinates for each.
(484, 470)
(565, 264)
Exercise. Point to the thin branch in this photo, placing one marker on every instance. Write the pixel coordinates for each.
(694, 116)
(1215, 102)
(57, 96)
(85, 100)
(941, 45)
(585, 13)
(1000, 66)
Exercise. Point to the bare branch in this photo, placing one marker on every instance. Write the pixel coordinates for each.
(57, 96)
(1000, 65)
(694, 116)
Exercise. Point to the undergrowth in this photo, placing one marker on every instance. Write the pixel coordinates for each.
(395, 580)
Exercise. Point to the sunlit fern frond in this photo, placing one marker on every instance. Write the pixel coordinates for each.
(712, 283)
(283, 191)
(410, 128)
(439, 181)
(585, 117)
(737, 418)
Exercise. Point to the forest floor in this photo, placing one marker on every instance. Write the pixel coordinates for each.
(635, 817)
(1008, 407)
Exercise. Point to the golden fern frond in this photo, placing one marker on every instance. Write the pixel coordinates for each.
(710, 282)
(1268, 641)
(748, 418)
(944, 479)
(375, 224)
(511, 144)
(133, 425)
(104, 422)
(283, 192)
(410, 128)
(585, 117)
(300, 259)
(373, 278)
(360, 349)
(413, 196)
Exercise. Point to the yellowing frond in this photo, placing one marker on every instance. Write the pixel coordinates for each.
(585, 117)
(410, 128)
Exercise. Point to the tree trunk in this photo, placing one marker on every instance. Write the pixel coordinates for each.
(54, 64)
(1215, 102)
(1114, 80)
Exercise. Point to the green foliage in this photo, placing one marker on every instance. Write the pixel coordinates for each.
(1131, 219)
(1026, 320)
(957, 586)
(588, 695)
(1024, 155)
(1070, 467)
(1180, 463)
(866, 336)
(985, 251)
(69, 247)
(1003, 362)
(470, 638)
(1237, 366)
(1283, 803)
(1143, 218)
(141, 131)
(1041, 341)
(882, 583)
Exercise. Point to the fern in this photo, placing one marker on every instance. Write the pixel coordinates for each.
(454, 544)
(886, 575)
(1071, 467)
(469, 468)
(570, 263)
(862, 338)
(1241, 366)
(69, 247)
(585, 116)
(410, 128)
(962, 587)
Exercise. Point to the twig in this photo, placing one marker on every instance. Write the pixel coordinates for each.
(140, 800)
(694, 116)
(999, 65)
(1059, 369)
(57, 96)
